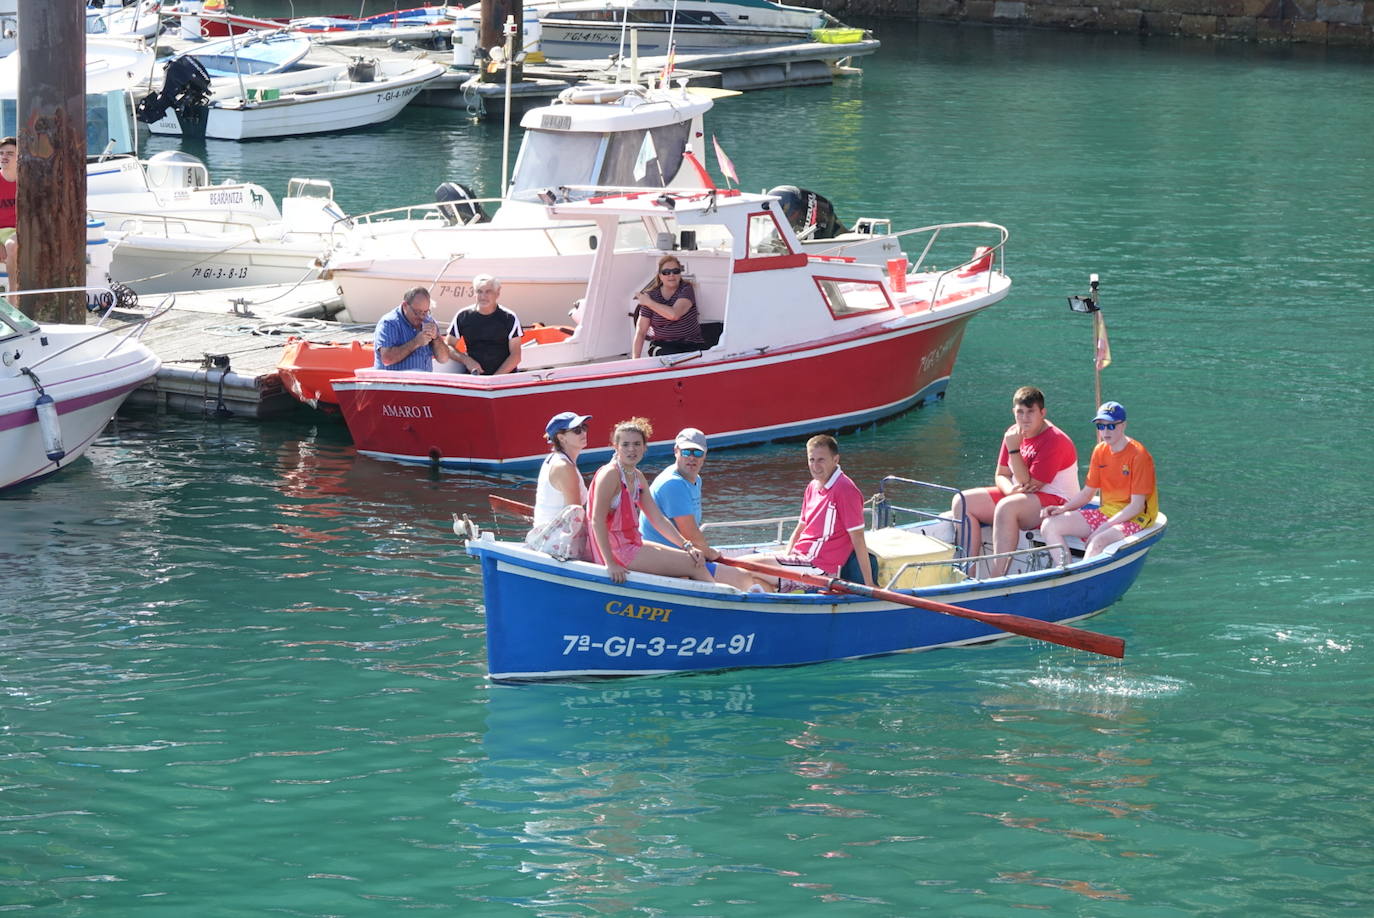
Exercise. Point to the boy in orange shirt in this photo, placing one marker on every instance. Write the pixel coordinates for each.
(1124, 472)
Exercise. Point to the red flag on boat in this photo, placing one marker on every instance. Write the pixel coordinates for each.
(726, 167)
(702, 174)
(668, 64)
(1104, 348)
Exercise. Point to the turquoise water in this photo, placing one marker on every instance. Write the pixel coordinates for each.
(243, 668)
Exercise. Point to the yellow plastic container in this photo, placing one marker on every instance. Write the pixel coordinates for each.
(895, 547)
(838, 36)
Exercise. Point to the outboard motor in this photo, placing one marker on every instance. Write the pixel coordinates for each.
(464, 209)
(811, 216)
(185, 90)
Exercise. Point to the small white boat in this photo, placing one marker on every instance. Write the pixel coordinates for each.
(141, 19)
(59, 386)
(162, 253)
(303, 100)
(598, 28)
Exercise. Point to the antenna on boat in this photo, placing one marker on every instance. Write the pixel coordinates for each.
(1102, 351)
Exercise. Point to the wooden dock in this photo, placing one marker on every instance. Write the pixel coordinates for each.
(219, 349)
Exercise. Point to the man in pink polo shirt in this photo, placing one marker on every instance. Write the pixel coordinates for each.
(1037, 467)
(831, 527)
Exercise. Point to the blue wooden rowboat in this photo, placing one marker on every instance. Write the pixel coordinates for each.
(548, 619)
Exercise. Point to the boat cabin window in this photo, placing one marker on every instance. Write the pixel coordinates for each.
(552, 158)
(622, 159)
(765, 237)
(697, 17)
(108, 123)
(13, 322)
(644, 159)
(847, 298)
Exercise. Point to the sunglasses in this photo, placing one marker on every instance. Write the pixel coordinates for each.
(580, 428)
(1101, 426)
(694, 453)
(671, 271)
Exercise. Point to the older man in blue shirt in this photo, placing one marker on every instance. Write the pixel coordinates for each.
(407, 337)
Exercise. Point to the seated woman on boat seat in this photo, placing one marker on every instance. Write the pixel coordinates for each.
(668, 308)
(560, 483)
(617, 496)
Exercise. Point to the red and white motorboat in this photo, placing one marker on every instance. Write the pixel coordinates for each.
(807, 343)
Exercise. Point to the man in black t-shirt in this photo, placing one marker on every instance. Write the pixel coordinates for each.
(490, 332)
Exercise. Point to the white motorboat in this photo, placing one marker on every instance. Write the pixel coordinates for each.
(162, 253)
(598, 28)
(620, 136)
(59, 387)
(306, 99)
(139, 19)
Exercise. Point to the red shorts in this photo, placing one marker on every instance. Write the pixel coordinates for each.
(1097, 519)
(1046, 498)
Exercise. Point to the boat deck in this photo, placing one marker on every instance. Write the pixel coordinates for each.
(219, 349)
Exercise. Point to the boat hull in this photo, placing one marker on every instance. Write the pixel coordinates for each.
(152, 264)
(552, 620)
(87, 389)
(361, 105)
(457, 422)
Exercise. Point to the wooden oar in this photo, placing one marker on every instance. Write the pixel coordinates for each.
(1076, 638)
(513, 507)
(1104, 644)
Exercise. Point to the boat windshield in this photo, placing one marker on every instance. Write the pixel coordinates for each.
(109, 127)
(644, 158)
(13, 322)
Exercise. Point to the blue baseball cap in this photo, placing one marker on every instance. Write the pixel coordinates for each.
(1111, 412)
(563, 420)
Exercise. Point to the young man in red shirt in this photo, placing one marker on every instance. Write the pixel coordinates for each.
(1037, 467)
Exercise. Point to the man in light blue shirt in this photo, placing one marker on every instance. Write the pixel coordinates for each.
(407, 337)
(677, 489)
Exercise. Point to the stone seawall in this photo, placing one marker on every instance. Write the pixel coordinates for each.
(1348, 23)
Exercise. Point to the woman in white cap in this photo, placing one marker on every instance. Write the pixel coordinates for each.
(560, 483)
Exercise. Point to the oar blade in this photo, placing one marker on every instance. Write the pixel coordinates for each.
(512, 507)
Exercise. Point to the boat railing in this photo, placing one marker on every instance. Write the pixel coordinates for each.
(432, 210)
(997, 251)
(139, 222)
(779, 522)
(133, 331)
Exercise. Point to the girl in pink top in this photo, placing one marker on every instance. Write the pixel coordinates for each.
(618, 494)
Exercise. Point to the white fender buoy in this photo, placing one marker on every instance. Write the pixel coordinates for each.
(51, 426)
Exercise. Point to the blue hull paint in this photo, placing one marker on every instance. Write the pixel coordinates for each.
(547, 620)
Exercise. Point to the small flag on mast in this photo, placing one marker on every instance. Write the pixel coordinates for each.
(1104, 348)
(727, 168)
(668, 65)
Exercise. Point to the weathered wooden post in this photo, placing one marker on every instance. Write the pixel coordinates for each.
(492, 34)
(51, 206)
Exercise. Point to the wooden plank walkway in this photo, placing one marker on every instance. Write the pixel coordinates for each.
(219, 349)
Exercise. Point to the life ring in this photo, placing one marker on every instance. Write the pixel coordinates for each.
(596, 94)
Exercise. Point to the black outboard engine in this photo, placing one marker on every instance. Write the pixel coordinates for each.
(185, 90)
(811, 216)
(464, 208)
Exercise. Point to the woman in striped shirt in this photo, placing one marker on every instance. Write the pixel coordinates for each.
(668, 306)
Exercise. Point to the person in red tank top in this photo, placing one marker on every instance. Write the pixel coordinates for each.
(617, 495)
(9, 198)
